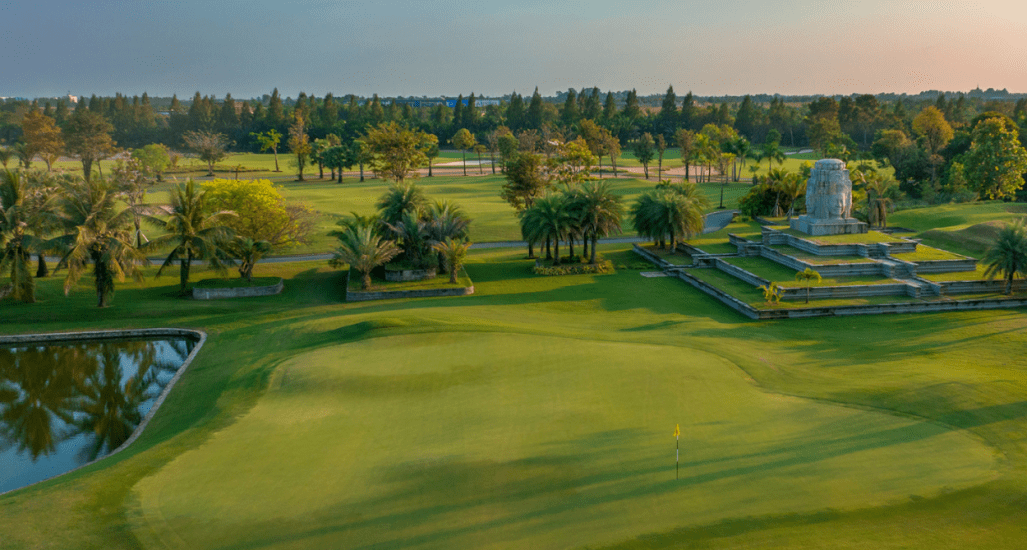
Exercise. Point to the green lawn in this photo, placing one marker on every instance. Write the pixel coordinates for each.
(870, 237)
(539, 413)
(673, 258)
(927, 254)
(818, 260)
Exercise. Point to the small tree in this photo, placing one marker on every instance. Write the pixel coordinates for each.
(87, 135)
(363, 251)
(661, 148)
(645, 150)
(248, 252)
(153, 159)
(809, 276)
(1008, 256)
(395, 152)
(269, 140)
(772, 293)
(454, 253)
(42, 136)
(464, 141)
(211, 147)
(299, 144)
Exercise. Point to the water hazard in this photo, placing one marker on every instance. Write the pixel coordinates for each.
(64, 404)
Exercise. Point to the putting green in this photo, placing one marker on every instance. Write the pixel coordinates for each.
(495, 440)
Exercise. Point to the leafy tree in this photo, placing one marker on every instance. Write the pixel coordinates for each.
(88, 136)
(363, 251)
(95, 233)
(464, 141)
(430, 146)
(394, 152)
(16, 244)
(772, 152)
(42, 136)
(261, 213)
(686, 142)
(340, 158)
(1008, 256)
(154, 159)
(193, 232)
(809, 276)
(455, 252)
(996, 160)
(5, 155)
(931, 125)
(269, 140)
(645, 150)
(210, 147)
(526, 180)
(299, 144)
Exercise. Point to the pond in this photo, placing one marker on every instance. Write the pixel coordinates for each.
(63, 404)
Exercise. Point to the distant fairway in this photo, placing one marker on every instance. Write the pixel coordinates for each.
(494, 440)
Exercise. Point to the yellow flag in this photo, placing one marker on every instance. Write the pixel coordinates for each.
(677, 430)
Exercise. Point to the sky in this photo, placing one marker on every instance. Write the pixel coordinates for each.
(446, 47)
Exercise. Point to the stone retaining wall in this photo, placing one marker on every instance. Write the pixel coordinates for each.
(198, 335)
(851, 291)
(358, 296)
(405, 275)
(653, 258)
(974, 287)
(238, 292)
(830, 270)
(740, 273)
(946, 266)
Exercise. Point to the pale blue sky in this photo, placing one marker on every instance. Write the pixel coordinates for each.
(445, 47)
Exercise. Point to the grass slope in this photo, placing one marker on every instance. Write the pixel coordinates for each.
(440, 451)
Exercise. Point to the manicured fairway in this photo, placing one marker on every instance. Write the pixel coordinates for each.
(539, 413)
(469, 440)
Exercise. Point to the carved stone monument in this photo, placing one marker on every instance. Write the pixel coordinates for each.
(828, 201)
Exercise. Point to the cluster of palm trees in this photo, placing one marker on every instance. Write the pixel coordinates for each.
(423, 234)
(587, 212)
(672, 211)
(96, 225)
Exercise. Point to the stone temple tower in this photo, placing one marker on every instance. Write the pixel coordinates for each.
(828, 201)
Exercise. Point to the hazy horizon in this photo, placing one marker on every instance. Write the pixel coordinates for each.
(446, 48)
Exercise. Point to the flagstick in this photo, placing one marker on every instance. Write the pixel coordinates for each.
(677, 457)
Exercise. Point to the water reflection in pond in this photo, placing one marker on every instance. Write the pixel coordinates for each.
(64, 404)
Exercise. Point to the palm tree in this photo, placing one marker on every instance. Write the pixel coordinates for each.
(193, 233)
(648, 219)
(97, 234)
(16, 244)
(455, 252)
(412, 233)
(400, 198)
(554, 217)
(808, 276)
(792, 187)
(446, 220)
(1008, 255)
(877, 203)
(248, 252)
(772, 151)
(601, 212)
(363, 251)
(684, 217)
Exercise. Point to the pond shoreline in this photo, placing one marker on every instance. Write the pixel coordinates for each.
(198, 336)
